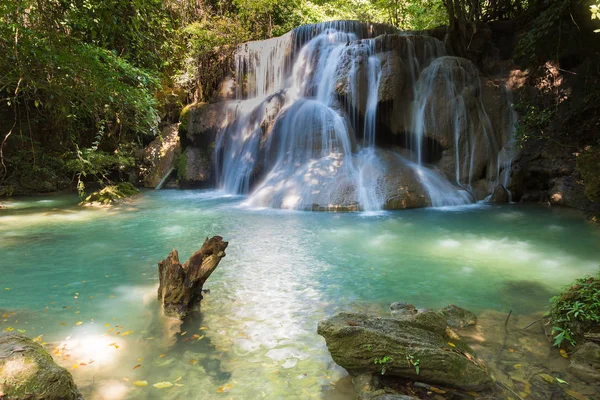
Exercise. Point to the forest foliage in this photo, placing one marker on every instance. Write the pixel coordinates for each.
(86, 82)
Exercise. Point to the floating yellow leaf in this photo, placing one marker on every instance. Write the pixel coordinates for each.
(78, 323)
(162, 385)
(225, 388)
(511, 350)
(77, 312)
(183, 333)
(126, 333)
(451, 344)
(6, 288)
(193, 361)
(140, 383)
(203, 328)
(9, 329)
(434, 389)
(162, 355)
(107, 325)
(563, 353)
(518, 365)
(91, 297)
(178, 384)
(178, 379)
(547, 378)
(75, 366)
(137, 366)
(38, 339)
(112, 296)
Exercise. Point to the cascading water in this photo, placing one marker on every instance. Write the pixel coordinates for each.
(303, 131)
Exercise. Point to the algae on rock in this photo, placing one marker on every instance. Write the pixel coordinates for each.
(27, 371)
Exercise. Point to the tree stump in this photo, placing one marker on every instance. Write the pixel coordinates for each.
(180, 287)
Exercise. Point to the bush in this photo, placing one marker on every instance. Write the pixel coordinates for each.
(575, 311)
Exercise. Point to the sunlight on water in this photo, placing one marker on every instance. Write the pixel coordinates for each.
(85, 280)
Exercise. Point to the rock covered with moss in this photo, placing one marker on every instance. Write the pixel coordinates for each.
(111, 194)
(418, 346)
(27, 371)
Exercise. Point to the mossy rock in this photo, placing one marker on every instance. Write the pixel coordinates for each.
(416, 347)
(6, 191)
(588, 164)
(110, 194)
(27, 371)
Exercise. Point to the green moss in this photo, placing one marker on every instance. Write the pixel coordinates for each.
(575, 310)
(181, 166)
(184, 118)
(112, 193)
(38, 376)
(588, 165)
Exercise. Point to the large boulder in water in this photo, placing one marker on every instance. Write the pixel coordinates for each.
(27, 371)
(195, 168)
(414, 347)
(160, 156)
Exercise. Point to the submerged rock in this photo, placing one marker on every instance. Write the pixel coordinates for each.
(457, 317)
(585, 362)
(27, 371)
(414, 347)
(180, 286)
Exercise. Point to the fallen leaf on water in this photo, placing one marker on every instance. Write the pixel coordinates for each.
(5, 315)
(195, 336)
(203, 328)
(140, 359)
(178, 379)
(126, 333)
(563, 353)
(75, 366)
(63, 323)
(162, 385)
(107, 325)
(225, 388)
(110, 330)
(38, 339)
(9, 329)
(126, 379)
(83, 364)
(451, 344)
(78, 323)
(6, 288)
(21, 330)
(561, 381)
(434, 389)
(162, 355)
(183, 333)
(91, 297)
(149, 338)
(511, 350)
(140, 383)
(137, 366)
(112, 296)
(91, 361)
(178, 384)
(518, 365)
(474, 394)
(547, 378)
(193, 361)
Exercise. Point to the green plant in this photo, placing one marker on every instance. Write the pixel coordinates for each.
(383, 361)
(575, 310)
(588, 165)
(532, 122)
(416, 363)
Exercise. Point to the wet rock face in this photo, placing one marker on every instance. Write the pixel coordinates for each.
(160, 156)
(500, 195)
(401, 346)
(457, 317)
(27, 371)
(180, 286)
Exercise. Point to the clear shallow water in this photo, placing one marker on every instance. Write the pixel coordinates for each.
(86, 274)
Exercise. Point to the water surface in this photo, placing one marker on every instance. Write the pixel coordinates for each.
(78, 276)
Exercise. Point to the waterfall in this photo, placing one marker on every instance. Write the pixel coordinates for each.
(304, 130)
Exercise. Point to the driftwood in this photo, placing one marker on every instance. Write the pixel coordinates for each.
(180, 287)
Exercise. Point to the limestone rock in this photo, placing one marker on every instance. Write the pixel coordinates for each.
(180, 286)
(567, 191)
(457, 317)
(365, 344)
(195, 168)
(585, 362)
(400, 309)
(500, 195)
(160, 156)
(27, 371)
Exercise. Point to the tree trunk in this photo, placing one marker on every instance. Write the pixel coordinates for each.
(180, 286)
